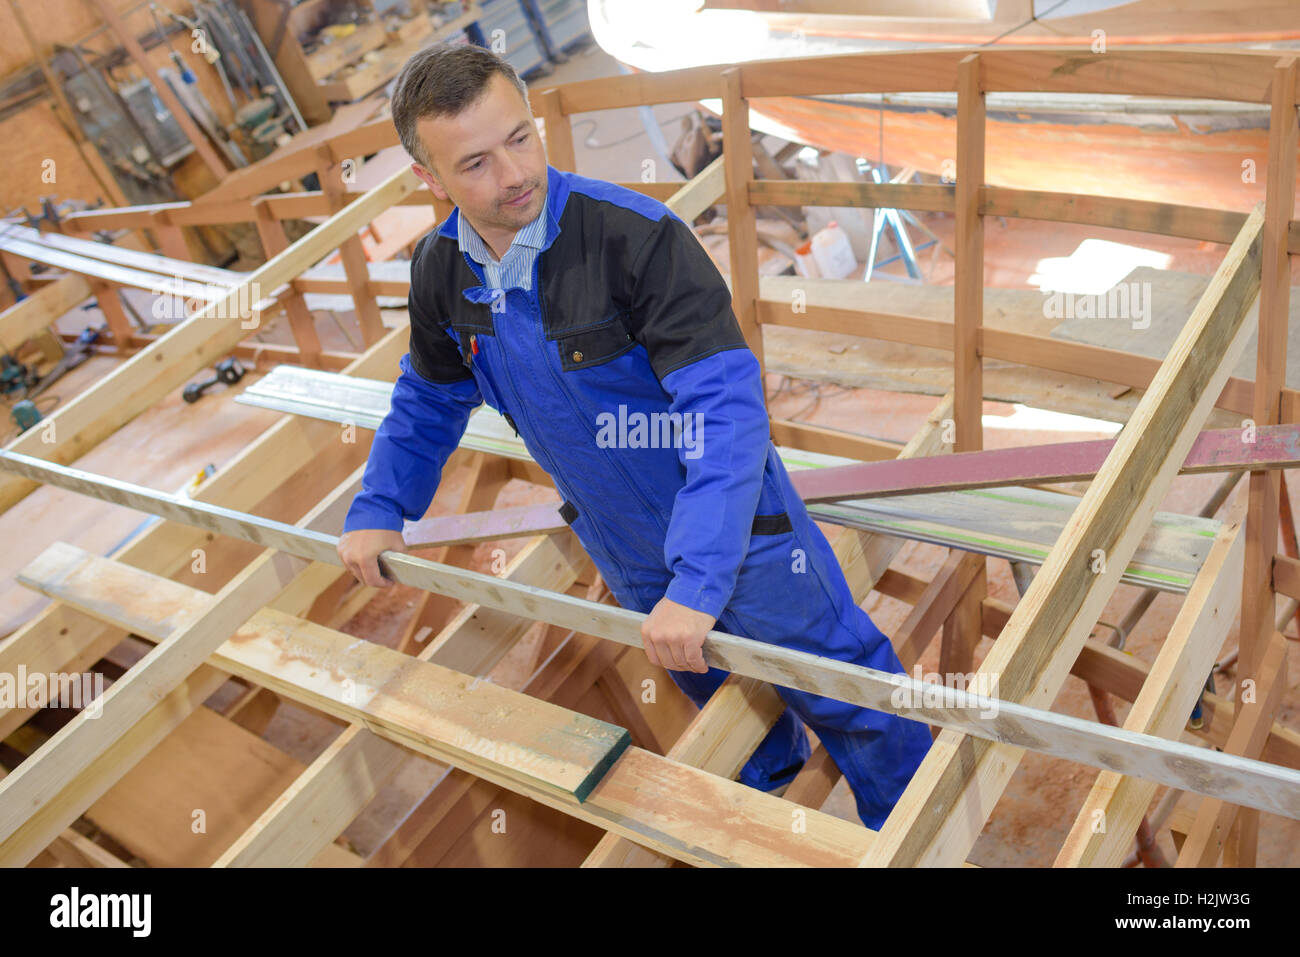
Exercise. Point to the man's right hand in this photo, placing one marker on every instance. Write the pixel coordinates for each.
(359, 550)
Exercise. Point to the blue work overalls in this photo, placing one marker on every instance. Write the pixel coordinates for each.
(624, 372)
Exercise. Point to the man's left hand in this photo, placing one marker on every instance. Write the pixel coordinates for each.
(674, 636)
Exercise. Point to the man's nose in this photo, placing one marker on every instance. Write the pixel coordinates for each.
(512, 172)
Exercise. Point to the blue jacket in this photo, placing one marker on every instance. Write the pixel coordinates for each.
(626, 375)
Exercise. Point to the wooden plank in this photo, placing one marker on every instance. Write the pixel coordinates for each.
(58, 639)
(84, 781)
(1213, 450)
(93, 731)
(1165, 219)
(351, 771)
(194, 344)
(352, 253)
(655, 801)
(301, 321)
(1257, 603)
(936, 603)
(1286, 576)
(789, 192)
(1041, 352)
(1006, 721)
(559, 132)
(122, 256)
(1206, 840)
(410, 701)
(94, 268)
(941, 813)
(1171, 687)
(709, 186)
(961, 625)
(207, 763)
(720, 740)
(742, 237)
(34, 314)
(75, 850)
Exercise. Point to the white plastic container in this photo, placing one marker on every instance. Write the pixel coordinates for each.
(805, 264)
(833, 252)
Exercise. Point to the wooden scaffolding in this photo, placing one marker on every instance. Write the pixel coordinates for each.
(659, 783)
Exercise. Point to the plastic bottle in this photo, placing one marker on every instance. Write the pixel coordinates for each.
(833, 252)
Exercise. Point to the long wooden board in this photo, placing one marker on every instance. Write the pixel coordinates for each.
(941, 813)
(1241, 781)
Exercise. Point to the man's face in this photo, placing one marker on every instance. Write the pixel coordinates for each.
(486, 157)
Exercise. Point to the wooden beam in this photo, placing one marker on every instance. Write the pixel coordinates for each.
(1214, 450)
(659, 803)
(720, 740)
(192, 345)
(940, 815)
(34, 314)
(352, 252)
(742, 237)
(1257, 603)
(1006, 721)
(1214, 819)
(1103, 829)
(59, 639)
(77, 745)
(356, 765)
(559, 132)
(301, 321)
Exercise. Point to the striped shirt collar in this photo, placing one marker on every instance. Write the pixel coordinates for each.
(532, 235)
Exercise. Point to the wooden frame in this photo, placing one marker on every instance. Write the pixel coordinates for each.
(625, 790)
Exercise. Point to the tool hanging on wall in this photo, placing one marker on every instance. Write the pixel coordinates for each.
(184, 84)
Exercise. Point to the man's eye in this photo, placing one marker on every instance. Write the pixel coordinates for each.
(474, 167)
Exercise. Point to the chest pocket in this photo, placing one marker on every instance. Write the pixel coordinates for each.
(594, 344)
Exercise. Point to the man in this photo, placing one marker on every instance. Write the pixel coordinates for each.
(592, 318)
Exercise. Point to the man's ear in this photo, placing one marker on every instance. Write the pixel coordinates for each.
(429, 180)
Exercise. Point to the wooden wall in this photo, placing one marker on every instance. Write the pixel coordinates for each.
(34, 135)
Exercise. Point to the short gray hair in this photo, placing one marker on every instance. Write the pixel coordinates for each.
(443, 80)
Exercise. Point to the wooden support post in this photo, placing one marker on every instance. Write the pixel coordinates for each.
(1257, 603)
(1104, 827)
(742, 234)
(559, 132)
(301, 321)
(351, 251)
(119, 323)
(1215, 818)
(962, 628)
(171, 240)
(124, 36)
(940, 815)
